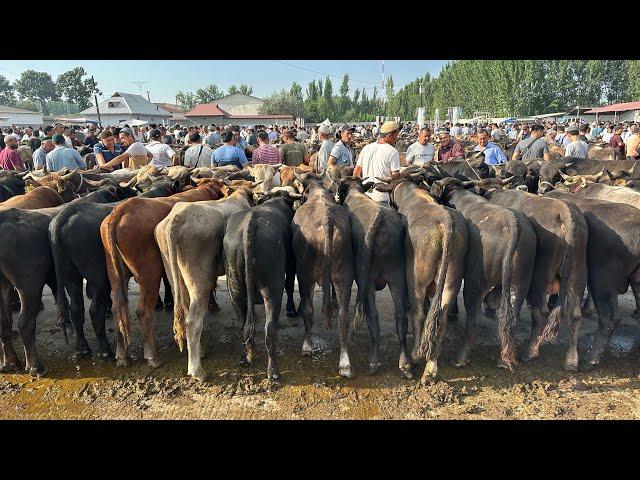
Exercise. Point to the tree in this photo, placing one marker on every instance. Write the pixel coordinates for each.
(74, 89)
(232, 89)
(208, 94)
(281, 103)
(36, 86)
(27, 105)
(246, 89)
(7, 96)
(186, 100)
(633, 73)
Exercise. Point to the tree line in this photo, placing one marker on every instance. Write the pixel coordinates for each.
(500, 88)
(37, 91)
(188, 100)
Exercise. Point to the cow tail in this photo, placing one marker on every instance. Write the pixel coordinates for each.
(363, 269)
(563, 309)
(249, 246)
(429, 339)
(327, 305)
(506, 319)
(118, 267)
(55, 228)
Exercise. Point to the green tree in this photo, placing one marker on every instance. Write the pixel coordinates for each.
(28, 105)
(246, 89)
(7, 96)
(186, 100)
(232, 89)
(71, 86)
(36, 86)
(633, 74)
(208, 94)
(281, 103)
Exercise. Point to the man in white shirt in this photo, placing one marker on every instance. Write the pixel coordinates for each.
(199, 154)
(422, 151)
(326, 145)
(135, 156)
(576, 147)
(380, 159)
(273, 135)
(163, 154)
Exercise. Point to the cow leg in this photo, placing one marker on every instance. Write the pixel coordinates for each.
(168, 294)
(571, 358)
(289, 284)
(248, 334)
(636, 295)
(213, 304)
(398, 290)
(122, 355)
(344, 295)
(15, 300)
(10, 362)
(306, 287)
(607, 308)
(588, 307)
(98, 313)
(76, 305)
(334, 298)
(272, 306)
(374, 329)
(453, 313)
(193, 327)
(144, 313)
(473, 306)
(449, 298)
(159, 304)
(27, 328)
(539, 314)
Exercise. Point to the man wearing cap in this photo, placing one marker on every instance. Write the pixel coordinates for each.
(576, 147)
(40, 155)
(341, 153)
(265, 152)
(229, 153)
(136, 155)
(163, 154)
(380, 159)
(326, 145)
(534, 147)
(493, 154)
(422, 151)
(9, 158)
(447, 150)
(62, 156)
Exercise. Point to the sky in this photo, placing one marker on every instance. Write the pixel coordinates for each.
(165, 77)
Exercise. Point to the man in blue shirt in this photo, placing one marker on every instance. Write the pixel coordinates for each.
(40, 155)
(62, 156)
(228, 153)
(107, 149)
(493, 155)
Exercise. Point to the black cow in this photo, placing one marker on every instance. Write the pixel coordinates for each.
(258, 256)
(377, 234)
(11, 184)
(613, 259)
(26, 264)
(499, 265)
(560, 265)
(78, 253)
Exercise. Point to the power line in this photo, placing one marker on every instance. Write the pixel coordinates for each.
(326, 74)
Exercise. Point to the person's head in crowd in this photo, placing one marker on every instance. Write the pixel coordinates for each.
(537, 130)
(324, 132)
(444, 137)
(48, 130)
(483, 137)
(424, 136)
(345, 133)
(584, 129)
(108, 139)
(152, 126)
(47, 144)
(573, 132)
(11, 141)
(212, 128)
(263, 137)
(289, 136)
(228, 137)
(551, 135)
(389, 132)
(155, 135)
(58, 139)
(194, 137)
(127, 137)
(66, 131)
(618, 130)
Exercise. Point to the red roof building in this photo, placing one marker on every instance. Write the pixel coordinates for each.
(205, 113)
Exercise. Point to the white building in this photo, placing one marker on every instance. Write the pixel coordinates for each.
(124, 107)
(20, 118)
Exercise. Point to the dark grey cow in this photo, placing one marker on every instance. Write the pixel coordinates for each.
(502, 248)
(322, 247)
(258, 256)
(560, 265)
(613, 259)
(435, 247)
(378, 247)
(11, 184)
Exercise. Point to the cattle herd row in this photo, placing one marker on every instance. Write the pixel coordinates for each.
(523, 231)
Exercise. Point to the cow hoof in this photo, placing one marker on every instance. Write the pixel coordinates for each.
(10, 368)
(39, 371)
(213, 308)
(274, 377)
(245, 362)
(374, 368)
(461, 363)
(168, 307)
(307, 348)
(105, 356)
(505, 365)
(292, 314)
(571, 367)
(346, 372)
(407, 374)
(154, 362)
(199, 374)
(123, 362)
(81, 354)
(427, 379)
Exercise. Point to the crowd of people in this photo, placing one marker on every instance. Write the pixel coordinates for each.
(56, 147)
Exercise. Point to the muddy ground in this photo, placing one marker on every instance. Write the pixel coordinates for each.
(311, 389)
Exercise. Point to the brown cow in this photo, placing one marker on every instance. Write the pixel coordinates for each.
(131, 250)
(41, 197)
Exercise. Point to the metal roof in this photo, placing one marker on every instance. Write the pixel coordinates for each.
(128, 103)
(616, 107)
(7, 109)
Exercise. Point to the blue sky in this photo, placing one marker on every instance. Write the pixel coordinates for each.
(166, 77)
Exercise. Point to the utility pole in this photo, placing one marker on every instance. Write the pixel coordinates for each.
(382, 91)
(148, 98)
(95, 98)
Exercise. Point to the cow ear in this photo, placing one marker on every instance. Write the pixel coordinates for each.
(61, 185)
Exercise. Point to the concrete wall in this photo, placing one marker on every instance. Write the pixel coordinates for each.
(21, 119)
(117, 119)
(241, 105)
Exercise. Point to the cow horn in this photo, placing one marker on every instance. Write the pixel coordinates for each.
(384, 179)
(469, 183)
(507, 180)
(566, 177)
(633, 169)
(568, 164)
(69, 175)
(255, 184)
(24, 174)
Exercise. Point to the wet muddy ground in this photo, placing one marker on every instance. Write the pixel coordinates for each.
(311, 388)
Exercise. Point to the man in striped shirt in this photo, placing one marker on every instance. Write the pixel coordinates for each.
(265, 153)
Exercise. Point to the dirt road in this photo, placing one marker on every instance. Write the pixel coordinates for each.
(311, 388)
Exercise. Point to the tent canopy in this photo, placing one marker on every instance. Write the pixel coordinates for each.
(134, 123)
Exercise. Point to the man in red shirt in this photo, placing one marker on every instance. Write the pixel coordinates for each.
(447, 150)
(265, 153)
(617, 143)
(9, 158)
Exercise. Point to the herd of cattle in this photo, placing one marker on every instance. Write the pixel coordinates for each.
(544, 232)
